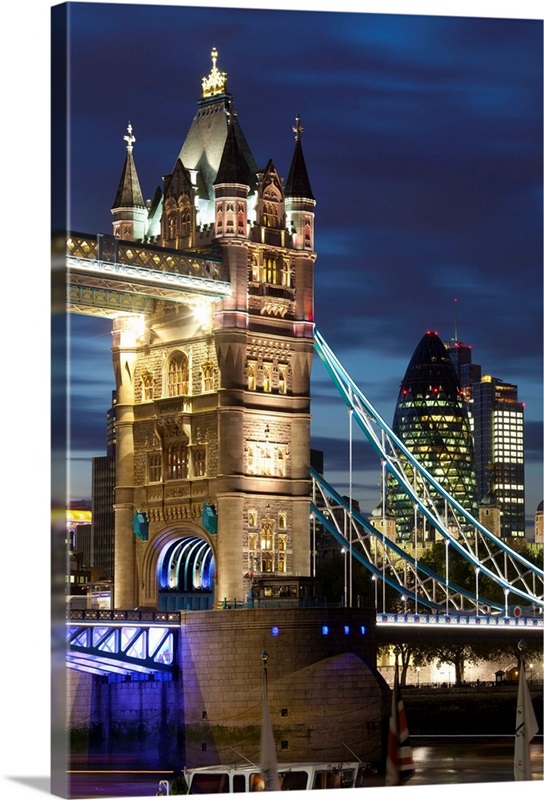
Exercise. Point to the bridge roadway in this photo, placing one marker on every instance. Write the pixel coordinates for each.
(141, 644)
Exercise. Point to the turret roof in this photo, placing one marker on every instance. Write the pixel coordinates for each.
(298, 183)
(233, 167)
(129, 193)
(205, 142)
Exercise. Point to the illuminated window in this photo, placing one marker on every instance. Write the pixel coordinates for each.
(267, 377)
(282, 379)
(241, 222)
(178, 375)
(263, 458)
(199, 462)
(250, 460)
(267, 563)
(147, 386)
(270, 269)
(207, 376)
(251, 375)
(176, 461)
(270, 215)
(154, 467)
(267, 534)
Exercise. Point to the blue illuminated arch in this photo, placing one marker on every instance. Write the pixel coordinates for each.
(186, 565)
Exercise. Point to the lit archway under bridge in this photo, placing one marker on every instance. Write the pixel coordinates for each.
(185, 575)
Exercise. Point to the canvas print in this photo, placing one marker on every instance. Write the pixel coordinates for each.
(297, 400)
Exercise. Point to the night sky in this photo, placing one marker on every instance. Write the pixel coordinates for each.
(423, 143)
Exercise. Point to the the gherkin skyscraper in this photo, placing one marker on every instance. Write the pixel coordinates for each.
(432, 421)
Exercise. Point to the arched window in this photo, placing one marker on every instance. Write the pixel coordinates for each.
(241, 223)
(207, 376)
(178, 375)
(147, 386)
(185, 226)
(251, 375)
(270, 269)
(199, 462)
(176, 461)
(282, 379)
(154, 467)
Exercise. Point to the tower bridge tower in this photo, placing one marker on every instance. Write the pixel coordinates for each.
(213, 395)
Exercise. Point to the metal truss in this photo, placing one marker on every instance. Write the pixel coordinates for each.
(121, 650)
(485, 552)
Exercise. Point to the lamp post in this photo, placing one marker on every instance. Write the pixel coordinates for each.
(345, 554)
(375, 581)
(418, 670)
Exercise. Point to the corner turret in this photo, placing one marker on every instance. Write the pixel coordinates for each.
(231, 189)
(129, 210)
(299, 199)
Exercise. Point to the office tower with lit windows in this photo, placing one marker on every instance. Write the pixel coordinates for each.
(497, 422)
(432, 421)
(498, 419)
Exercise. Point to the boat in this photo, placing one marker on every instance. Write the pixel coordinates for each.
(224, 778)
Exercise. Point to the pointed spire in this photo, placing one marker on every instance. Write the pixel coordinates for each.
(129, 193)
(298, 183)
(233, 167)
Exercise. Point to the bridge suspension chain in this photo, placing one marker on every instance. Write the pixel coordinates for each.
(483, 550)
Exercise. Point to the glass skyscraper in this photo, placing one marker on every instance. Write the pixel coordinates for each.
(497, 421)
(431, 419)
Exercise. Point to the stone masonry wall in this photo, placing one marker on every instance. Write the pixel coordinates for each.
(325, 696)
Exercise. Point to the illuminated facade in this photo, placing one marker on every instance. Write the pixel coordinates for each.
(213, 398)
(432, 421)
(497, 421)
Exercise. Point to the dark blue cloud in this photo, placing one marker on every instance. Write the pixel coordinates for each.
(423, 141)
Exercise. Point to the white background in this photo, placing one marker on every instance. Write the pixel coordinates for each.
(25, 304)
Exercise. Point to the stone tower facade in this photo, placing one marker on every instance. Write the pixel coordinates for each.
(213, 396)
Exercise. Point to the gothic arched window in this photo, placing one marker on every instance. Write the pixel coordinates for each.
(176, 461)
(178, 375)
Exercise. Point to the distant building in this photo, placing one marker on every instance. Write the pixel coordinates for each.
(78, 529)
(497, 421)
(539, 524)
(103, 495)
(490, 513)
(432, 421)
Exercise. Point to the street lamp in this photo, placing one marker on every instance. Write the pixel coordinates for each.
(375, 580)
(418, 670)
